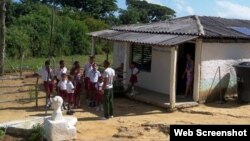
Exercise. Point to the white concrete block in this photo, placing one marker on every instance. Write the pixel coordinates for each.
(60, 130)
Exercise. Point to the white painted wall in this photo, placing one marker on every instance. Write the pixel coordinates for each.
(159, 77)
(224, 55)
(118, 53)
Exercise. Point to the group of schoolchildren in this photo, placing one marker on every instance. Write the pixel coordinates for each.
(69, 84)
(90, 77)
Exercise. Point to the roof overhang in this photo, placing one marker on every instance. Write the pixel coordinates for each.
(142, 38)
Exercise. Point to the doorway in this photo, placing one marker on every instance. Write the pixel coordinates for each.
(185, 48)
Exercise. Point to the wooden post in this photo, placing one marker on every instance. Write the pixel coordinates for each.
(125, 63)
(220, 83)
(197, 69)
(21, 65)
(92, 46)
(173, 77)
(37, 92)
(2, 36)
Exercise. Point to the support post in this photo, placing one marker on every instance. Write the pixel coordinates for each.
(197, 69)
(2, 36)
(37, 80)
(173, 77)
(92, 46)
(125, 63)
(21, 65)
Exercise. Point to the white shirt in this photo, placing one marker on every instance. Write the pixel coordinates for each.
(43, 73)
(94, 75)
(98, 86)
(60, 71)
(134, 71)
(62, 84)
(70, 87)
(109, 73)
(87, 68)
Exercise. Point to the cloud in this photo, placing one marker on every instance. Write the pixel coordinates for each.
(159, 2)
(229, 9)
(190, 10)
(183, 7)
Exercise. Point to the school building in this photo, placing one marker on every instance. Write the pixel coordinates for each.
(216, 44)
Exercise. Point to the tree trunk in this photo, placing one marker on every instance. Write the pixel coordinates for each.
(2, 35)
(107, 56)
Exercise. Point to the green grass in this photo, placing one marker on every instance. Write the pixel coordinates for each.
(1, 134)
(35, 63)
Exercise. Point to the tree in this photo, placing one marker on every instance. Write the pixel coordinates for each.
(129, 16)
(95, 8)
(32, 18)
(143, 12)
(19, 43)
(95, 24)
(2, 35)
(18, 40)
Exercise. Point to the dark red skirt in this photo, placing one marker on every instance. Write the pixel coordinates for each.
(86, 83)
(133, 79)
(98, 96)
(63, 94)
(78, 89)
(71, 98)
(48, 87)
(92, 86)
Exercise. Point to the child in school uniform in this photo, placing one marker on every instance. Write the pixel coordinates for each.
(133, 78)
(70, 94)
(99, 94)
(62, 89)
(78, 82)
(59, 71)
(87, 69)
(73, 68)
(47, 75)
(94, 74)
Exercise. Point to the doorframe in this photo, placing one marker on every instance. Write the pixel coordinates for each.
(197, 69)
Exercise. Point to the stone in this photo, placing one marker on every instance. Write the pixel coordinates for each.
(58, 128)
(147, 128)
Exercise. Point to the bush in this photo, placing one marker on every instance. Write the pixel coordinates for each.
(1, 134)
(37, 133)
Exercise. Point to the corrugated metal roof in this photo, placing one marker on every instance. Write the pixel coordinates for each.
(211, 26)
(176, 31)
(181, 26)
(220, 27)
(142, 38)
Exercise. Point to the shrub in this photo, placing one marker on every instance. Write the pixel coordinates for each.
(37, 133)
(1, 134)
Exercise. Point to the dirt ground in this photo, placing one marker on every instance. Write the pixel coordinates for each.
(133, 120)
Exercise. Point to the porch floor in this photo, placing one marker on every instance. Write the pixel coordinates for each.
(161, 100)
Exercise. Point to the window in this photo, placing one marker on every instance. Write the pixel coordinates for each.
(142, 55)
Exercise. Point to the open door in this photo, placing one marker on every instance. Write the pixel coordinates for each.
(183, 50)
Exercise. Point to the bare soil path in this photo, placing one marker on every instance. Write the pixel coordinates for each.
(133, 120)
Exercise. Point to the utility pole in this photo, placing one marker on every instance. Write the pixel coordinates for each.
(2, 35)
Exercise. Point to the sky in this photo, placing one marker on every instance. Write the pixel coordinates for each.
(237, 9)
